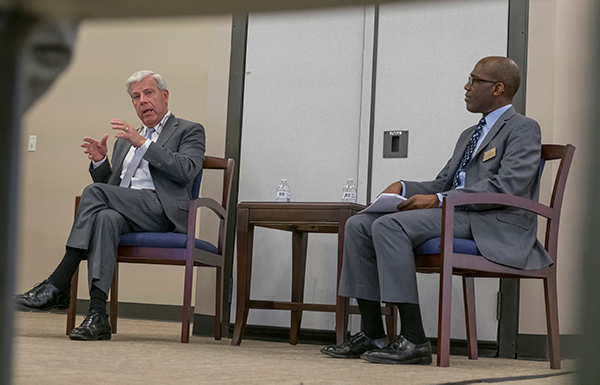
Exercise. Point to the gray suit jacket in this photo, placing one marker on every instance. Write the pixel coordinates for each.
(503, 235)
(174, 161)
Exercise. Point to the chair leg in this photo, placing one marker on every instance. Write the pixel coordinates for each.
(391, 322)
(219, 304)
(187, 300)
(470, 316)
(444, 316)
(72, 312)
(245, 235)
(114, 300)
(341, 318)
(552, 320)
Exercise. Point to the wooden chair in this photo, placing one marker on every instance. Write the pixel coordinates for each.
(175, 249)
(448, 256)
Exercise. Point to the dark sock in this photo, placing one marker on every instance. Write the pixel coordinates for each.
(98, 300)
(372, 324)
(411, 325)
(61, 277)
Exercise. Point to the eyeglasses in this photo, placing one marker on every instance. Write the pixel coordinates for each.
(472, 80)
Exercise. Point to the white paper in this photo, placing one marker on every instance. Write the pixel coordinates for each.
(385, 203)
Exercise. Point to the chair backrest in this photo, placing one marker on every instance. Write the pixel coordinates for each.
(227, 165)
(564, 153)
(196, 184)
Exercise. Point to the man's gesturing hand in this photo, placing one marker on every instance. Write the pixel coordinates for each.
(127, 132)
(95, 150)
(417, 202)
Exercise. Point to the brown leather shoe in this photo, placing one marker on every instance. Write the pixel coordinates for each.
(401, 351)
(354, 346)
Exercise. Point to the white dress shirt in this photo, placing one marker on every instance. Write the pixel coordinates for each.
(142, 179)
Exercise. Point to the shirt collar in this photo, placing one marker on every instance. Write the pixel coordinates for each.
(493, 116)
(158, 128)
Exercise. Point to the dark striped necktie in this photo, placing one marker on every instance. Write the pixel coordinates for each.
(468, 153)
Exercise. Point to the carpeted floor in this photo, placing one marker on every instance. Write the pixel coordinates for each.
(149, 352)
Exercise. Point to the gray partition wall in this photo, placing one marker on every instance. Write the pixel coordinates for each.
(321, 87)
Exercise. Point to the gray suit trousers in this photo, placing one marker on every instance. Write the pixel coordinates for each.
(105, 212)
(379, 262)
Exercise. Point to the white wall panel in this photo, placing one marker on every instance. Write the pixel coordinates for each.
(302, 109)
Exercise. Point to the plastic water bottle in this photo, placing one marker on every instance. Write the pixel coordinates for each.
(284, 193)
(349, 192)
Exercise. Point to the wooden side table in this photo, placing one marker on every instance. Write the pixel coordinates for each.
(299, 218)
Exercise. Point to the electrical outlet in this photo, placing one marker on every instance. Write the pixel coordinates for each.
(32, 143)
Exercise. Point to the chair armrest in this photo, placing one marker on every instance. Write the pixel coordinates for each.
(450, 202)
(77, 200)
(210, 203)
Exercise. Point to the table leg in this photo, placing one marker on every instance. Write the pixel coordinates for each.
(391, 320)
(341, 303)
(299, 247)
(245, 238)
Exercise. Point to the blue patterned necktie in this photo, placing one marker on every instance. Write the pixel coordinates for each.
(135, 161)
(468, 153)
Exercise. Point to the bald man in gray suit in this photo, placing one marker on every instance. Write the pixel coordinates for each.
(500, 154)
(145, 188)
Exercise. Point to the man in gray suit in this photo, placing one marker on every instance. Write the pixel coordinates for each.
(145, 188)
(501, 154)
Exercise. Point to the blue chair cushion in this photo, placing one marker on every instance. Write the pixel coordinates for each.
(163, 240)
(434, 246)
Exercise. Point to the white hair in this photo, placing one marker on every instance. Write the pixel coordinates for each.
(140, 75)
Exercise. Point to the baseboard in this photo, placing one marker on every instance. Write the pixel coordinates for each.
(535, 346)
(282, 334)
(204, 325)
(459, 347)
(139, 310)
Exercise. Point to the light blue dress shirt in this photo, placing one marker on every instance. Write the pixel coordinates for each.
(490, 120)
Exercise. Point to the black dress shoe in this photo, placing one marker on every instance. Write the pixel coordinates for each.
(94, 327)
(401, 351)
(354, 346)
(44, 296)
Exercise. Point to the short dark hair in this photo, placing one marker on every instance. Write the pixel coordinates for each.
(505, 70)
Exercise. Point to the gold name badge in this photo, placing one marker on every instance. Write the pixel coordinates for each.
(489, 154)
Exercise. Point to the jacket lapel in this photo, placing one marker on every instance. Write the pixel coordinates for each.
(505, 117)
(168, 130)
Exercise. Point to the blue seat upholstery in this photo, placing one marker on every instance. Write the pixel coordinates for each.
(164, 240)
(434, 246)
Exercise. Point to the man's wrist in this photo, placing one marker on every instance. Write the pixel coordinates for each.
(96, 164)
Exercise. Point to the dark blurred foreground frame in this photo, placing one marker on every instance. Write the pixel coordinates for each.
(22, 20)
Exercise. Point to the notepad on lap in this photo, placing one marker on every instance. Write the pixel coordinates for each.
(385, 203)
